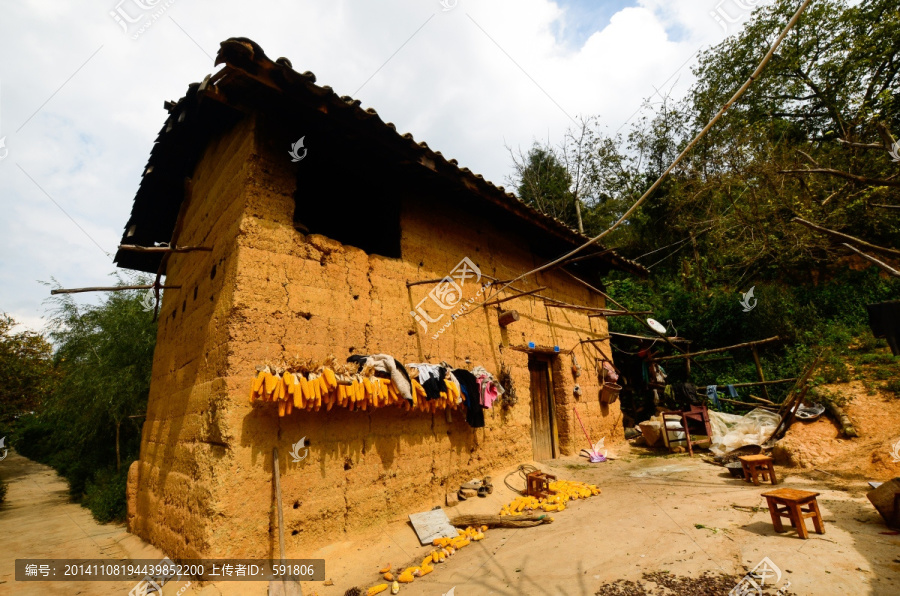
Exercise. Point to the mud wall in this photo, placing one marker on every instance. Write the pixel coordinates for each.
(205, 476)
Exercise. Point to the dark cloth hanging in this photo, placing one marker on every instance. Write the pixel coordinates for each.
(468, 384)
(433, 386)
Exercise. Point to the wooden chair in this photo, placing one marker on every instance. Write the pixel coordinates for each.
(667, 433)
(789, 503)
(756, 466)
(699, 413)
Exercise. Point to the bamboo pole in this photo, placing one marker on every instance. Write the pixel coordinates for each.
(621, 313)
(759, 371)
(508, 298)
(776, 382)
(741, 403)
(718, 350)
(111, 289)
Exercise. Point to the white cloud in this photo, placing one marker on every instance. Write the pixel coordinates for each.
(450, 85)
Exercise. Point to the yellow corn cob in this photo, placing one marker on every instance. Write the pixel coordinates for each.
(425, 570)
(385, 569)
(324, 387)
(368, 387)
(425, 562)
(288, 407)
(330, 378)
(270, 382)
(388, 576)
(405, 578)
(395, 588)
(281, 406)
(376, 589)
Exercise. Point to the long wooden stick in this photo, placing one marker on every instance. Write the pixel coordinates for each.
(759, 371)
(847, 238)
(136, 248)
(632, 314)
(878, 262)
(737, 95)
(112, 289)
(776, 382)
(508, 298)
(717, 350)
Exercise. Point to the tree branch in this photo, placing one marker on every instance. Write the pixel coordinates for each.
(881, 264)
(848, 238)
(845, 175)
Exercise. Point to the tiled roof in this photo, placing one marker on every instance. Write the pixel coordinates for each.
(204, 109)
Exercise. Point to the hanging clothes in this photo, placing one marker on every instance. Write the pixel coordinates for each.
(468, 385)
(713, 396)
(490, 389)
(386, 364)
(431, 378)
(732, 392)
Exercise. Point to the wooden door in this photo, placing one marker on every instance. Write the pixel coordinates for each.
(542, 423)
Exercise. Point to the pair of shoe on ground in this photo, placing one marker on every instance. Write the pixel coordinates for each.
(482, 487)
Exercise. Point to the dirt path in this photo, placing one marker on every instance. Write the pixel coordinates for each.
(37, 520)
(674, 514)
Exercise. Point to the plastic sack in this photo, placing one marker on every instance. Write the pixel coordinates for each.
(731, 431)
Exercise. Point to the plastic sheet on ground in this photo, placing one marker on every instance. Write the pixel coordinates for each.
(730, 431)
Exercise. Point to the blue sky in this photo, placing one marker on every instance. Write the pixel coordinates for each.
(81, 93)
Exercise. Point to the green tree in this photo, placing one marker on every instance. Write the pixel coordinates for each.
(105, 353)
(27, 373)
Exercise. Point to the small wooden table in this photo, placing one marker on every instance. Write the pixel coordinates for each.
(756, 466)
(789, 503)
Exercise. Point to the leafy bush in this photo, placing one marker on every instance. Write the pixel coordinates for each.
(105, 494)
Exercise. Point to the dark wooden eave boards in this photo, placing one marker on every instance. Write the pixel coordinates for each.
(249, 82)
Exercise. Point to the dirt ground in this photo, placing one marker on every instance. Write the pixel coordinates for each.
(672, 514)
(819, 444)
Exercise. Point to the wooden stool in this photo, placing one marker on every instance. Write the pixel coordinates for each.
(793, 501)
(756, 466)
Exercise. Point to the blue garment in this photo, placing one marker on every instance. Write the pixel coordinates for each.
(732, 392)
(713, 396)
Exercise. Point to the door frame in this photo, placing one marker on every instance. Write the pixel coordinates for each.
(549, 360)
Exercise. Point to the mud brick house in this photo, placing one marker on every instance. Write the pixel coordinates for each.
(317, 251)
